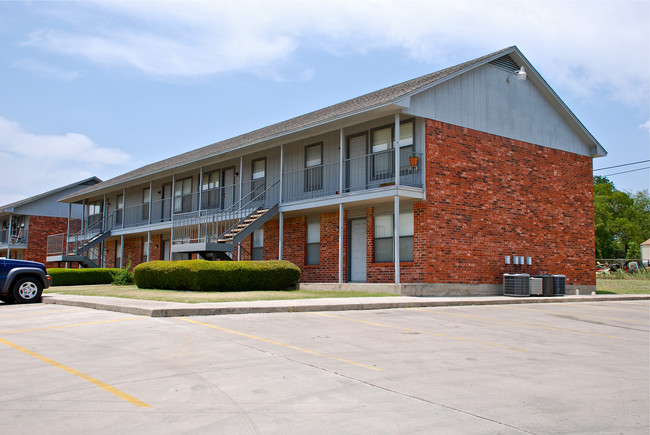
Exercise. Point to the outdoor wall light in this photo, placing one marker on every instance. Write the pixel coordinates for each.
(521, 74)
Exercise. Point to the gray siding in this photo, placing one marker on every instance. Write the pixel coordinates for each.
(490, 99)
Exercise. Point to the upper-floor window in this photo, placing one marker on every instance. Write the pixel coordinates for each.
(210, 195)
(146, 200)
(183, 195)
(258, 176)
(381, 159)
(314, 167)
(119, 210)
(406, 143)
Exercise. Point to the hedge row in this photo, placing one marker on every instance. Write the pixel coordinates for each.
(82, 276)
(202, 275)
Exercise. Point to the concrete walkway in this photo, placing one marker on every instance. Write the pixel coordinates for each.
(172, 309)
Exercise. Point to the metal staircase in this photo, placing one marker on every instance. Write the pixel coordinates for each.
(214, 234)
(77, 248)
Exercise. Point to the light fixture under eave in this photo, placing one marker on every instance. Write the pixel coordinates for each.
(521, 74)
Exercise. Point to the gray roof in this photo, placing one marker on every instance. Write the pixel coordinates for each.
(9, 208)
(381, 98)
(365, 102)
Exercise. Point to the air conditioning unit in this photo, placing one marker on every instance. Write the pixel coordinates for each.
(535, 286)
(559, 285)
(516, 284)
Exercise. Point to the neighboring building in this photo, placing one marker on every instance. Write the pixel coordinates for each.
(463, 167)
(645, 250)
(26, 224)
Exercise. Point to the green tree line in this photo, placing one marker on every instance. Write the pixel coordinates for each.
(622, 220)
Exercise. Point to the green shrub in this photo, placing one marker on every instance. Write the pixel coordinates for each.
(202, 275)
(81, 276)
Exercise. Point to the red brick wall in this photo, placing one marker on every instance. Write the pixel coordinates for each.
(110, 247)
(489, 196)
(39, 228)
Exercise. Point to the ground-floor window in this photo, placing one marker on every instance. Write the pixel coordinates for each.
(313, 243)
(384, 232)
(258, 244)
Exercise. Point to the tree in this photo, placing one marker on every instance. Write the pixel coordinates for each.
(622, 220)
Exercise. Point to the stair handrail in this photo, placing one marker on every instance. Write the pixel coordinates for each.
(79, 239)
(216, 223)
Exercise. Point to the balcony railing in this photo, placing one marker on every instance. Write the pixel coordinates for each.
(15, 238)
(59, 244)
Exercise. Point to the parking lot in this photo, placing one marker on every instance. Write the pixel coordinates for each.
(529, 368)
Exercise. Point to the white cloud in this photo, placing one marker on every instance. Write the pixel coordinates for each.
(583, 47)
(37, 163)
(646, 125)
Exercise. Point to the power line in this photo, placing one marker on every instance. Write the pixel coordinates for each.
(625, 164)
(625, 172)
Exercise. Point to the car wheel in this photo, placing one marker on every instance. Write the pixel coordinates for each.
(27, 290)
(7, 299)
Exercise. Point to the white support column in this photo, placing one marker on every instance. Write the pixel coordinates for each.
(150, 200)
(173, 204)
(241, 178)
(281, 236)
(397, 153)
(104, 211)
(122, 249)
(341, 247)
(200, 202)
(83, 215)
(9, 236)
(396, 239)
(281, 184)
(148, 245)
(67, 235)
(341, 154)
(123, 206)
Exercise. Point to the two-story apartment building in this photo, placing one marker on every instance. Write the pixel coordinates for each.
(26, 224)
(429, 184)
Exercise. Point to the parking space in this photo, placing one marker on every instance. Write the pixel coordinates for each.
(530, 368)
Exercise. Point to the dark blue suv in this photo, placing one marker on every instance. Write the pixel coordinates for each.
(22, 281)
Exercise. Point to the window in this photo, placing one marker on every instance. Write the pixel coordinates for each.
(118, 254)
(145, 250)
(406, 231)
(313, 242)
(210, 196)
(381, 160)
(406, 141)
(94, 214)
(383, 238)
(314, 167)
(384, 248)
(119, 210)
(183, 195)
(259, 178)
(258, 244)
(146, 199)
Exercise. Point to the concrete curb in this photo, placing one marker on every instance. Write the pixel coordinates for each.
(140, 307)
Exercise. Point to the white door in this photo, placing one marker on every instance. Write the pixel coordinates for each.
(358, 250)
(356, 170)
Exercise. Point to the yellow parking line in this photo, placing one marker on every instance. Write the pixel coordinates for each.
(514, 323)
(68, 326)
(121, 394)
(542, 310)
(418, 331)
(290, 346)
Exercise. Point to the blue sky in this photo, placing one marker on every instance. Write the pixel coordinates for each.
(100, 88)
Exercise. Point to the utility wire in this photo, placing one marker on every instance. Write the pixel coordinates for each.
(625, 172)
(625, 164)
